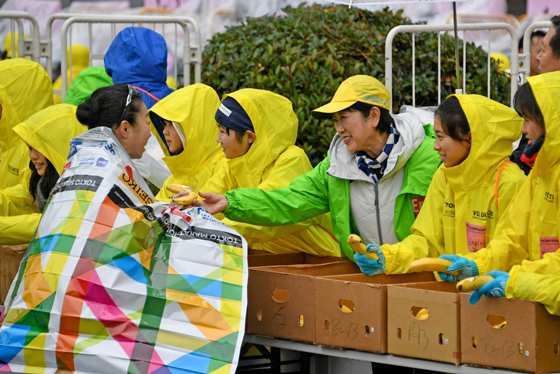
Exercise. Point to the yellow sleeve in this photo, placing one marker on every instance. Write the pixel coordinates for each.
(510, 244)
(289, 165)
(20, 229)
(163, 195)
(542, 288)
(426, 234)
(221, 181)
(16, 200)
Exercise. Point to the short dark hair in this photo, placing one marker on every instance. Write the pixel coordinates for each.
(238, 134)
(538, 33)
(49, 180)
(453, 119)
(526, 105)
(385, 118)
(106, 106)
(555, 40)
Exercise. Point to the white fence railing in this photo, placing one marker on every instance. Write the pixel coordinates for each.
(414, 29)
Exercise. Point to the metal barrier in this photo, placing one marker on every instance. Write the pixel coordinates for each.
(446, 28)
(191, 54)
(525, 57)
(26, 47)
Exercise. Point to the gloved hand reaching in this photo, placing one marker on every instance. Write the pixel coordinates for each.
(371, 266)
(467, 268)
(495, 288)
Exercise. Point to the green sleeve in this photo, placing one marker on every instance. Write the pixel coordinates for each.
(305, 197)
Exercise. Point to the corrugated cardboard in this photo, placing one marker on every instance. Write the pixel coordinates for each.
(351, 310)
(282, 299)
(10, 258)
(529, 341)
(262, 258)
(436, 338)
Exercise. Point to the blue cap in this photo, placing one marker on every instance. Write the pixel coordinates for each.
(231, 115)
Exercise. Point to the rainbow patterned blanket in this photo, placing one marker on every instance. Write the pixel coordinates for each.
(116, 282)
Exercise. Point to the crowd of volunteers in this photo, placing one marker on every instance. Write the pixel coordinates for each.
(411, 190)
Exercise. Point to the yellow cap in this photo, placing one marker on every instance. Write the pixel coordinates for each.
(8, 44)
(362, 88)
(501, 60)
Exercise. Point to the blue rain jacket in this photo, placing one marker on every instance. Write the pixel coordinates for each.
(138, 56)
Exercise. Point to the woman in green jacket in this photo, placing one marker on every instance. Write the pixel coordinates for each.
(373, 180)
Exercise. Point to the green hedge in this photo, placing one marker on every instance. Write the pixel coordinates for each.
(307, 53)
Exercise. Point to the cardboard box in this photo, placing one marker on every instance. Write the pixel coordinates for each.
(282, 299)
(262, 258)
(10, 258)
(351, 310)
(436, 338)
(529, 341)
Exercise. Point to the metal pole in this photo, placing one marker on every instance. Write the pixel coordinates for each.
(456, 45)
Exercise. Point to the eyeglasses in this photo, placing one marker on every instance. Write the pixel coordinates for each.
(131, 92)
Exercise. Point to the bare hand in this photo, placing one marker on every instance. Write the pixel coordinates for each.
(213, 203)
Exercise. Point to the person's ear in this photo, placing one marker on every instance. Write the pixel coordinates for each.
(251, 137)
(468, 137)
(124, 129)
(374, 115)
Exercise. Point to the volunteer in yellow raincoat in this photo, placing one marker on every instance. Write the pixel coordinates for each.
(528, 238)
(271, 162)
(25, 89)
(473, 187)
(531, 229)
(80, 61)
(184, 121)
(47, 132)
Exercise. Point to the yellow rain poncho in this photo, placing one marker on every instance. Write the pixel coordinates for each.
(273, 161)
(80, 61)
(531, 229)
(8, 44)
(194, 108)
(49, 132)
(25, 89)
(464, 204)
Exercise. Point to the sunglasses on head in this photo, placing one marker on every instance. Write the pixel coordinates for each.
(131, 92)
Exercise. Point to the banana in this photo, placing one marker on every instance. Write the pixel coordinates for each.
(431, 264)
(345, 309)
(359, 247)
(500, 325)
(422, 314)
(473, 283)
(183, 200)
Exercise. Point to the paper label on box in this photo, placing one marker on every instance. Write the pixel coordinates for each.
(549, 244)
(476, 237)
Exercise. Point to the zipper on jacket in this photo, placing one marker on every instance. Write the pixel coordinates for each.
(378, 214)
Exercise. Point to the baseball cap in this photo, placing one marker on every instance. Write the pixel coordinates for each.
(362, 88)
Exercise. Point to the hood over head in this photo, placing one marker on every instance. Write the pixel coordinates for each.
(494, 128)
(546, 88)
(138, 56)
(89, 80)
(50, 132)
(275, 125)
(193, 108)
(25, 89)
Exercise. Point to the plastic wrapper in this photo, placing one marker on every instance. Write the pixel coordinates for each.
(116, 282)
